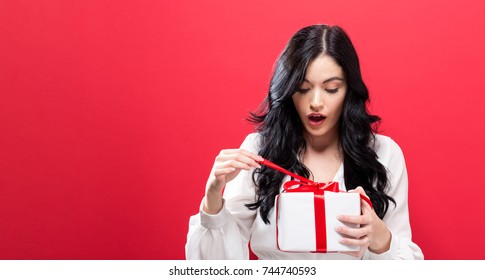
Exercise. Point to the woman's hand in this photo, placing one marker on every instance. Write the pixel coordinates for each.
(372, 232)
(226, 167)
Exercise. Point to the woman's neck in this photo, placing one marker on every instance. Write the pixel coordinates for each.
(322, 144)
(322, 157)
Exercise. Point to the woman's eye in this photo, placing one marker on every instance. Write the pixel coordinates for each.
(331, 90)
(303, 90)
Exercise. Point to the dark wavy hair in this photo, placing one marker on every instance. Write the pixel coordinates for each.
(281, 129)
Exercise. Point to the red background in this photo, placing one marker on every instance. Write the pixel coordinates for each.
(111, 114)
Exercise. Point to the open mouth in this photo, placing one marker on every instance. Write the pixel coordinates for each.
(316, 119)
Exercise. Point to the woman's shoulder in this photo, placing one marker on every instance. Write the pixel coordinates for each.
(386, 148)
(252, 142)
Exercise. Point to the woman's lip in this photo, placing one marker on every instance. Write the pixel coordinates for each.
(316, 115)
(316, 123)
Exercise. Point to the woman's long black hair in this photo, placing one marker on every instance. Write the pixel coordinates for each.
(282, 131)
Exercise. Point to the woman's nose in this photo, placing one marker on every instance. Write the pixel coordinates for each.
(316, 103)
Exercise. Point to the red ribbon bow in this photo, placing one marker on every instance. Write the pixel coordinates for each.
(307, 185)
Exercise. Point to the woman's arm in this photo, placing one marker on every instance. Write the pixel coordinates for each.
(397, 216)
(221, 229)
(389, 238)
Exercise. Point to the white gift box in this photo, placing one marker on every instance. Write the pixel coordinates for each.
(299, 218)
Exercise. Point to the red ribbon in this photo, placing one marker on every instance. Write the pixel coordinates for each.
(306, 185)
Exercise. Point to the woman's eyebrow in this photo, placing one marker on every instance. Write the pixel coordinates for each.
(333, 79)
(328, 80)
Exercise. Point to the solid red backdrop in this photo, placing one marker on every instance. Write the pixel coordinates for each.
(111, 114)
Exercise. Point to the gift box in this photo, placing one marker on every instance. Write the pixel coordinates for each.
(306, 221)
(306, 215)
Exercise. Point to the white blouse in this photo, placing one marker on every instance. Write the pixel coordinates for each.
(226, 235)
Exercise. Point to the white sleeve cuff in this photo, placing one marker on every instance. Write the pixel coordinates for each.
(389, 254)
(214, 221)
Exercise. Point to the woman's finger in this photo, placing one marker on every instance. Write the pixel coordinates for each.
(352, 232)
(235, 164)
(253, 156)
(359, 190)
(356, 254)
(227, 157)
(242, 151)
(361, 242)
(224, 171)
(359, 220)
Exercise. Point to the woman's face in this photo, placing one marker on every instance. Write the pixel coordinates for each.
(320, 98)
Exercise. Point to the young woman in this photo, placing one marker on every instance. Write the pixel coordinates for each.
(314, 122)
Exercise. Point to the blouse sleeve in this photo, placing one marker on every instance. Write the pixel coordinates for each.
(226, 234)
(397, 216)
